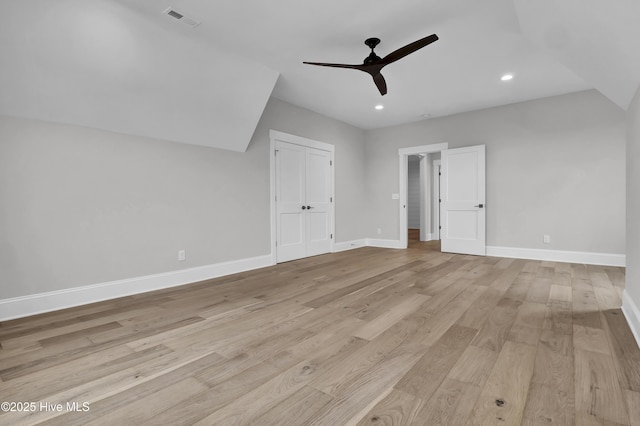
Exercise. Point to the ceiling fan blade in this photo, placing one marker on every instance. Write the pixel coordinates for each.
(409, 48)
(323, 64)
(380, 83)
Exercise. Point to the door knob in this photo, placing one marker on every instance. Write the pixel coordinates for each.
(309, 207)
(304, 207)
(480, 206)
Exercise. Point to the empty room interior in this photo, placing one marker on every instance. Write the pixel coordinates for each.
(320, 213)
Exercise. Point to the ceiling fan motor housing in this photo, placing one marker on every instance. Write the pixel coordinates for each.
(372, 43)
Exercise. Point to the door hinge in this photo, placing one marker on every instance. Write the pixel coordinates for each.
(439, 227)
(276, 198)
(331, 237)
(331, 199)
(439, 200)
(331, 162)
(439, 173)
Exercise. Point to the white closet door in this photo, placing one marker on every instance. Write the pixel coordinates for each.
(303, 201)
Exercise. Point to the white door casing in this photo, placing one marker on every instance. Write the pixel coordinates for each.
(302, 184)
(463, 212)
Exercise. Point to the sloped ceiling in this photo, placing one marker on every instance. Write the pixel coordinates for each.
(599, 40)
(100, 64)
(123, 65)
(479, 42)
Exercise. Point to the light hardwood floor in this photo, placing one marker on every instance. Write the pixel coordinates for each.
(364, 337)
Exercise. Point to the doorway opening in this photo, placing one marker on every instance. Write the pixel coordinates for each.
(423, 188)
(415, 199)
(418, 211)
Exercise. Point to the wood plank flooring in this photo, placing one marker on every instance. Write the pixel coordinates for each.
(365, 337)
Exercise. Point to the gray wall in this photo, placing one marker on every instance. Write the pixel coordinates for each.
(83, 206)
(633, 200)
(555, 166)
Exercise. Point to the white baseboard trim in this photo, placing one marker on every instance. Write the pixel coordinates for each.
(632, 314)
(349, 245)
(23, 306)
(604, 259)
(374, 242)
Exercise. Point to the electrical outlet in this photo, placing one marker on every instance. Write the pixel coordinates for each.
(182, 255)
(379, 231)
(546, 239)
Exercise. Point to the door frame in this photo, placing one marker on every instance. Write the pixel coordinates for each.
(275, 135)
(424, 193)
(403, 167)
(436, 198)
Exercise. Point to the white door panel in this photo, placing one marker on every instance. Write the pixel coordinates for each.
(318, 233)
(290, 169)
(462, 225)
(292, 229)
(290, 198)
(318, 197)
(463, 172)
(463, 200)
(318, 176)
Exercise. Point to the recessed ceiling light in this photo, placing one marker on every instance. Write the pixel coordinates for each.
(506, 77)
(379, 107)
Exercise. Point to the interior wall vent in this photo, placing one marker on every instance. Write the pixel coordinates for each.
(180, 17)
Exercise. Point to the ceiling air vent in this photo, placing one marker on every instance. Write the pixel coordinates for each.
(180, 17)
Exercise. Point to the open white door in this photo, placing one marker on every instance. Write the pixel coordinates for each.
(462, 194)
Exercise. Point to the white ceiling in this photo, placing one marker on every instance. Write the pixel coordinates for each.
(597, 39)
(125, 66)
(479, 42)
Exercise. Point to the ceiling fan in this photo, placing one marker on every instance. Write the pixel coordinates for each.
(373, 64)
